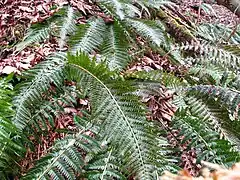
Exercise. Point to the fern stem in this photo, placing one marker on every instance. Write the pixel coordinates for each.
(105, 167)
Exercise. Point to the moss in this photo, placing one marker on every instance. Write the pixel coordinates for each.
(178, 31)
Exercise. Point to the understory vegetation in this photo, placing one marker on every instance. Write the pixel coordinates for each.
(110, 131)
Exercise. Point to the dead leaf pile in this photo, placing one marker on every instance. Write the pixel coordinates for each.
(193, 10)
(26, 58)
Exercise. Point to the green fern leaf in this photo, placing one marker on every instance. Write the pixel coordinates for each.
(34, 36)
(31, 91)
(228, 97)
(149, 30)
(117, 110)
(206, 142)
(114, 6)
(65, 159)
(88, 37)
(11, 149)
(226, 58)
(115, 48)
(67, 27)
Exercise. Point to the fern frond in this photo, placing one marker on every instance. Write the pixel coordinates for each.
(33, 36)
(218, 33)
(67, 27)
(224, 58)
(39, 81)
(227, 97)
(148, 29)
(227, 102)
(114, 6)
(68, 155)
(206, 142)
(88, 37)
(65, 159)
(10, 148)
(115, 48)
(118, 112)
(209, 112)
(209, 74)
(216, 117)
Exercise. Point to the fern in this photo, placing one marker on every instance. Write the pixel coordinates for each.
(218, 33)
(33, 36)
(115, 47)
(65, 160)
(114, 109)
(88, 37)
(114, 140)
(228, 97)
(219, 56)
(209, 112)
(209, 74)
(118, 113)
(148, 29)
(11, 149)
(31, 91)
(60, 25)
(68, 26)
(206, 141)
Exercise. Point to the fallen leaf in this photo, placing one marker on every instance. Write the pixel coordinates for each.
(9, 69)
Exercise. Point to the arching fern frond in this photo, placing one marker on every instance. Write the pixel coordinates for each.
(227, 97)
(118, 112)
(209, 74)
(65, 160)
(223, 57)
(226, 101)
(60, 25)
(218, 33)
(217, 118)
